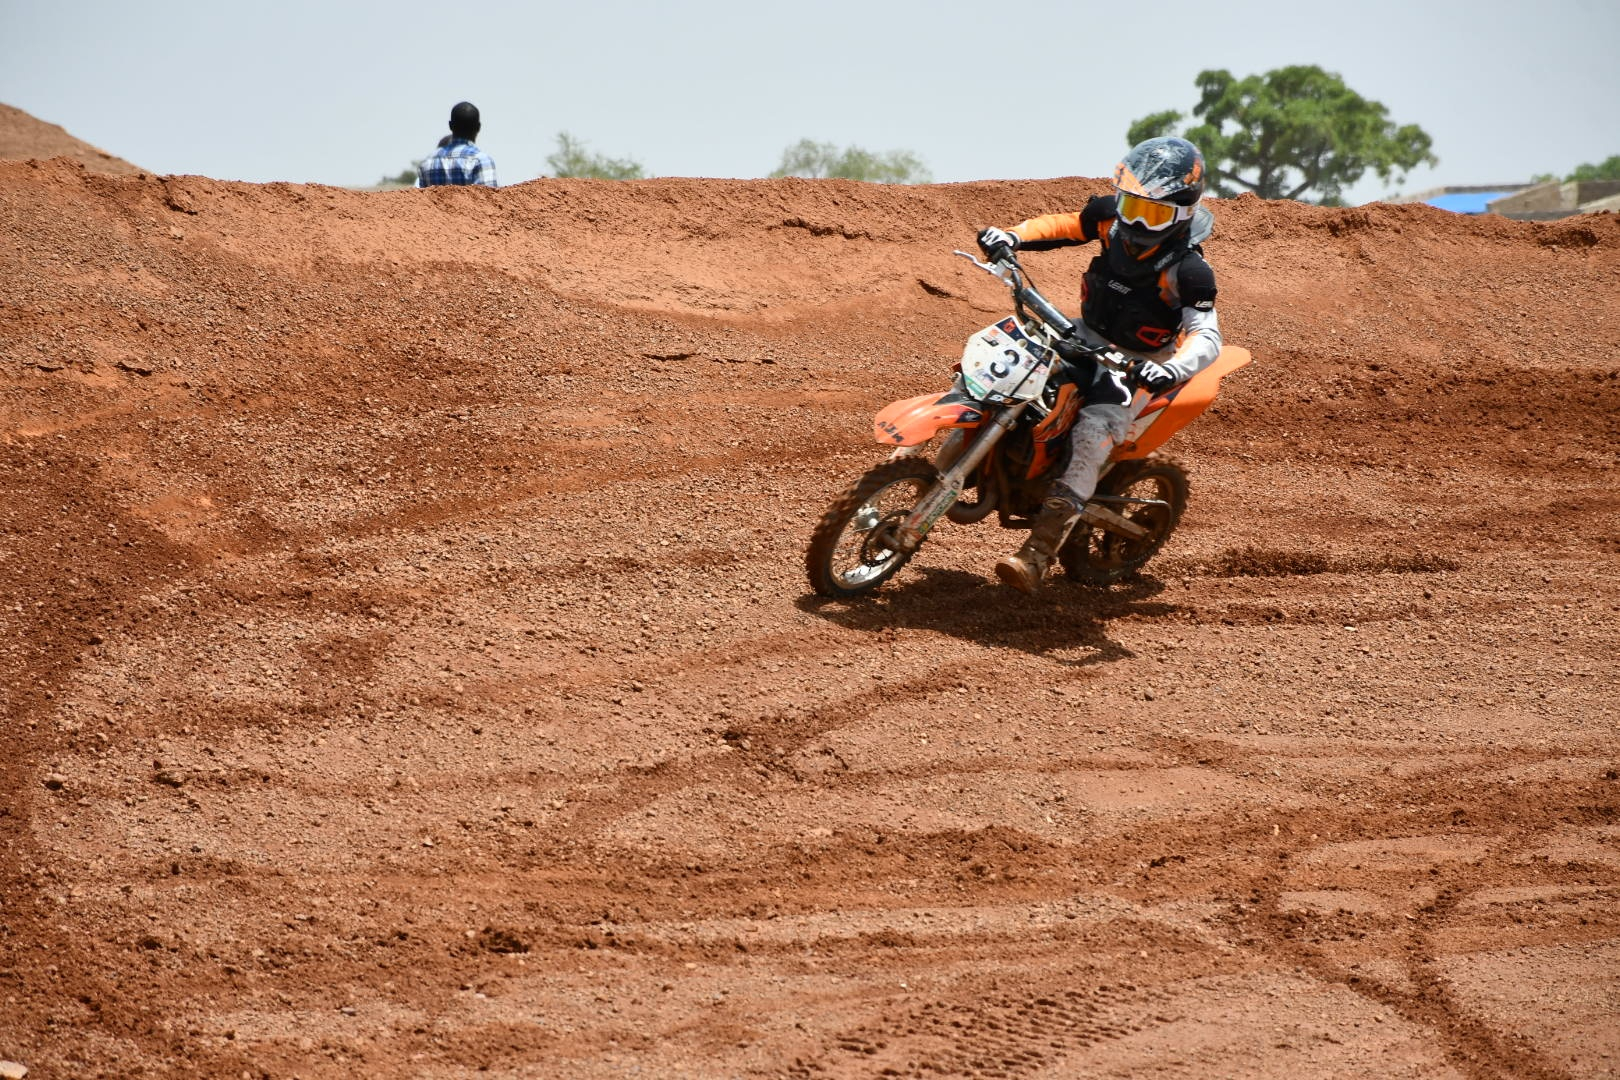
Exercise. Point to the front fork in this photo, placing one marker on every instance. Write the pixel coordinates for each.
(909, 534)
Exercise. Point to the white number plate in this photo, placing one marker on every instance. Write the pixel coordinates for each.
(1002, 363)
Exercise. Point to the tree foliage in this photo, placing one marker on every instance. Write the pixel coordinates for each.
(824, 160)
(406, 178)
(1289, 132)
(571, 159)
(1603, 170)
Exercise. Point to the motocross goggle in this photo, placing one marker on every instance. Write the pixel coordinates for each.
(1150, 214)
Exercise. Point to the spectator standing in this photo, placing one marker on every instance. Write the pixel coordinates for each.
(458, 160)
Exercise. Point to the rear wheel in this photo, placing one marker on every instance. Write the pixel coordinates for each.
(853, 550)
(1097, 556)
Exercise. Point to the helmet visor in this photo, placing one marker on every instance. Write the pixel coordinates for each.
(1148, 214)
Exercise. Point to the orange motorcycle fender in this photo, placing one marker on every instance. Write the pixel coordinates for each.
(1166, 415)
(916, 420)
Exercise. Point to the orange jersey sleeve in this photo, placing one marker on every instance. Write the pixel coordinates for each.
(1051, 227)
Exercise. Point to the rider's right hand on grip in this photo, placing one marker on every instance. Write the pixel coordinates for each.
(997, 244)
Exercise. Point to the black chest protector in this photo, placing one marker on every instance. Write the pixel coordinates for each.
(1136, 305)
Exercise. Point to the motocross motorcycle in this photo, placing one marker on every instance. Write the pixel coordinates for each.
(1006, 420)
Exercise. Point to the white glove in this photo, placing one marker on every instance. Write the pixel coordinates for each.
(997, 243)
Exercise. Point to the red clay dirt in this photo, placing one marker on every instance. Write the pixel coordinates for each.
(24, 137)
(409, 671)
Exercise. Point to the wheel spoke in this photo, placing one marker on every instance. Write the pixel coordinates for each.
(862, 552)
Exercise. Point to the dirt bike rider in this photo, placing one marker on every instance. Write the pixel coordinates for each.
(1148, 293)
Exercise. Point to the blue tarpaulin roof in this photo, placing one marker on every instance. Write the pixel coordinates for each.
(1466, 202)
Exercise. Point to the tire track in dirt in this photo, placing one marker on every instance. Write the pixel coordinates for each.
(766, 745)
(1005, 1036)
(1473, 1046)
(56, 612)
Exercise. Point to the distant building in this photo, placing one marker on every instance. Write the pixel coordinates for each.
(1462, 198)
(1611, 203)
(1557, 199)
(1524, 202)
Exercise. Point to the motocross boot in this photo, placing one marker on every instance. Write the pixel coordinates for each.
(1024, 570)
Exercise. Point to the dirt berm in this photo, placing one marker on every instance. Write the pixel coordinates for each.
(408, 668)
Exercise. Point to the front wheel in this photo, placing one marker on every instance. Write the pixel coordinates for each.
(853, 550)
(1097, 556)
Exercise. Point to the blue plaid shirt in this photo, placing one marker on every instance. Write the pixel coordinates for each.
(458, 161)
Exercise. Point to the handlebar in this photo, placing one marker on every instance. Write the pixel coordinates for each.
(1008, 271)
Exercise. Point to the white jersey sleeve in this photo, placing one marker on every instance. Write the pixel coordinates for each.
(1200, 343)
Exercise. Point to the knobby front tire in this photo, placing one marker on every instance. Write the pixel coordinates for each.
(852, 550)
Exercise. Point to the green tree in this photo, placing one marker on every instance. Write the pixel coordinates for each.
(1603, 170)
(1289, 132)
(812, 159)
(406, 178)
(573, 160)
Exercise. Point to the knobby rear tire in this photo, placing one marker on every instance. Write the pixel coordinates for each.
(1095, 556)
(849, 553)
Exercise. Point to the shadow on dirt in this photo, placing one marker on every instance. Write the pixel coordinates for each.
(1255, 561)
(1063, 617)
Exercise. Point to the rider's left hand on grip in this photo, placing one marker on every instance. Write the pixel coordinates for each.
(1153, 375)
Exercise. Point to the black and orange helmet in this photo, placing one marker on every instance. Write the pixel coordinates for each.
(1158, 186)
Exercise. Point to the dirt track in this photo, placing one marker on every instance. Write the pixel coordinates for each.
(408, 669)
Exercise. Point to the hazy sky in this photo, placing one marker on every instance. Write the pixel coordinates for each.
(343, 93)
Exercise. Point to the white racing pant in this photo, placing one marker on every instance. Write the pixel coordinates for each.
(1103, 424)
(1115, 405)
(1097, 430)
